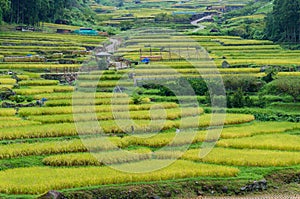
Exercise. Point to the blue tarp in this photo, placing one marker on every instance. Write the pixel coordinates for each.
(146, 60)
(86, 32)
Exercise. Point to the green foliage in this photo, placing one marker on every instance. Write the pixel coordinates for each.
(172, 18)
(245, 83)
(31, 12)
(266, 114)
(285, 85)
(237, 100)
(283, 23)
(137, 99)
(249, 9)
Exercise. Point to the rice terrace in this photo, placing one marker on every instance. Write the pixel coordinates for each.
(149, 99)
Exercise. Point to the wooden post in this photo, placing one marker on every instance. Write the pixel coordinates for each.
(140, 52)
(170, 55)
(150, 51)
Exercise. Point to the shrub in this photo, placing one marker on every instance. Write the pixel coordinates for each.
(285, 85)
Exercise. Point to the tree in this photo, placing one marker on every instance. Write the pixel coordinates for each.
(282, 24)
(285, 86)
(32, 12)
(237, 99)
(4, 9)
(246, 83)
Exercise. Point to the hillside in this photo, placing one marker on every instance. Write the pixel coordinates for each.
(33, 12)
(147, 99)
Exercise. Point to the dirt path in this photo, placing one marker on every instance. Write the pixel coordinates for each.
(198, 21)
(115, 43)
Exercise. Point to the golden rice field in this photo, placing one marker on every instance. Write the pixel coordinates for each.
(273, 142)
(21, 180)
(237, 157)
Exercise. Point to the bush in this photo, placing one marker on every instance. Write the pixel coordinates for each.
(284, 85)
(246, 83)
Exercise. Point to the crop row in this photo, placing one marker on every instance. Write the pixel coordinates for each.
(14, 123)
(9, 118)
(86, 101)
(102, 77)
(118, 126)
(273, 62)
(87, 109)
(7, 81)
(43, 89)
(6, 53)
(224, 156)
(169, 138)
(52, 37)
(21, 180)
(43, 48)
(274, 141)
(69, 129)
(36, 66)
(289, 74)
(10, 86)
(251, 47)
(16, 43)
(7, 112)
(237, 157)
(55, 147)
(257, 55)
(155, 114)
(258, 128)
(78, 95)
(150, 77)
(150, 140)
(242, 42)
(94, 84)
(98, 159)
(195, 71)
(38, 82)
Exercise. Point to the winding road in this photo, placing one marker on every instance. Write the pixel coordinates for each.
(115, 43)
(198, 21)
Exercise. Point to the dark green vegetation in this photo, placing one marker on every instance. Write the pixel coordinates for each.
(283, 22)
(33, 12)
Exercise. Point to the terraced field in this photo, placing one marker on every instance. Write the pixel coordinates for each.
(105, 122)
